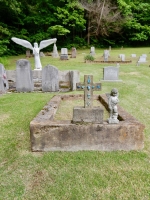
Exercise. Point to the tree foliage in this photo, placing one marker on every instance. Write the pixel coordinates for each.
(106, 22)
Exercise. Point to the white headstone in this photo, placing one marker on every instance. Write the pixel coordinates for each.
(92, 51)
(133, 55)
(122, 56)
(141, 60)
(64, 54)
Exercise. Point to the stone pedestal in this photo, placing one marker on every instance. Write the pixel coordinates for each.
(63, 57)
(93, 115)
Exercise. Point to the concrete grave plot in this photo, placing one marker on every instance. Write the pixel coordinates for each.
(49, 134)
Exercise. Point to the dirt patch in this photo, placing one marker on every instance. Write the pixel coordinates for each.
(4, 117)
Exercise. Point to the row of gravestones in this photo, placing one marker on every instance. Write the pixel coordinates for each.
(63, 55)
(106, 55)
(25, 80)
(24, 77)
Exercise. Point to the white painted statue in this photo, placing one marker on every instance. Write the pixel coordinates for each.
(35, 49)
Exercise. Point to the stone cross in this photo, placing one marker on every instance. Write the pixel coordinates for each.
(88, 87)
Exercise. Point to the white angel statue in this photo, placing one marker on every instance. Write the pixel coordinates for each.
(35, 49)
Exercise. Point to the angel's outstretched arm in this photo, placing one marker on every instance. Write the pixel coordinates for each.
(45, 43)
(22, 42)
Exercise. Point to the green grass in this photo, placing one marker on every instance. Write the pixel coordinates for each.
(89, 175)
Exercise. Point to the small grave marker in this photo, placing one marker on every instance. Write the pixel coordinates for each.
(88, 113)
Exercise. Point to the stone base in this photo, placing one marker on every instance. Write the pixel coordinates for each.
(93, 115)
(113, 121)
(46, 134)
(111, 80)
(63, 57)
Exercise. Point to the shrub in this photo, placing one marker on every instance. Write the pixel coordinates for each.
(89, 57)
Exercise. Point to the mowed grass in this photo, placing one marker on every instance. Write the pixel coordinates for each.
(89, 175)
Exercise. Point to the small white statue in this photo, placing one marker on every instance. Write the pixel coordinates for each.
(35, 49)
(112, 104)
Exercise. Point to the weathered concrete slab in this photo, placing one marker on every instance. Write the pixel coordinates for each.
(94, 115)
(50, 135)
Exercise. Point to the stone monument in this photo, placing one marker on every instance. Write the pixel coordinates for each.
(111, 73)
(112, 105)
(35, 49)
(64, 54)
(73, 52)
(75, 78)
(55, 52)
(106, 55)
(3, 80)
(88, 113)
(50, 79)
(92, 52)
(24, 78)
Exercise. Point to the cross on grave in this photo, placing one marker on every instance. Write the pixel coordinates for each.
(88, 87)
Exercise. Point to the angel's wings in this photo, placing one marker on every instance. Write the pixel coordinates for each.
(22, 42)
(45, 43)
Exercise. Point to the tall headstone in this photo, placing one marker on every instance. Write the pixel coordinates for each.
(111, 73)
(75, 78)
(73, 52)
(55, 52)
(24, 78)
(92, 51)
(64, 54)
(3, 80)
(50, 79)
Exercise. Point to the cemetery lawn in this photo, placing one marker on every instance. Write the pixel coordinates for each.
(89, 175)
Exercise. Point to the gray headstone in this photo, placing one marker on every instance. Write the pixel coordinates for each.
(110, 73)
(75, 78)
(3, 79)
(24, 78)
(42, 54)
(64, 54)
(50, 82)
(73, 52)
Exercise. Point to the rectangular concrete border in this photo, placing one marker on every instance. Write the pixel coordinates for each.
(47, 134)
